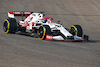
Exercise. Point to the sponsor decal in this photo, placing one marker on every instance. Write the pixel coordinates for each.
(49, 37)
(27, 13)
(11, 12)
(17, 13)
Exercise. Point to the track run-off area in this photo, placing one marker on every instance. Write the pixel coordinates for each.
(25, 51)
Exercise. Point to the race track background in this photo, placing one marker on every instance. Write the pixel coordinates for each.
(25, 51)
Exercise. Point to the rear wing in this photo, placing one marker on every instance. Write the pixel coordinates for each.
(22, 13)
(12, 14)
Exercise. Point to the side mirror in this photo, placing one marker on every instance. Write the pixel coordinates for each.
(58, 21)
(43, 14)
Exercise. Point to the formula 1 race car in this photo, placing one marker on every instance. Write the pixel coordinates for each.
(37, 26)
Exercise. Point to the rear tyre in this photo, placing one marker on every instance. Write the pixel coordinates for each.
(76, 30)
(10, 25)
(43, 30)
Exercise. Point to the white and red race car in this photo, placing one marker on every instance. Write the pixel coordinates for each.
(36, 25)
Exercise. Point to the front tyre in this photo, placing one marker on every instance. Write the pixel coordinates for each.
(43, 30)
(76, 30)
(10, 25)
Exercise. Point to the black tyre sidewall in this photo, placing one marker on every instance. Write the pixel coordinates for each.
(12, 25)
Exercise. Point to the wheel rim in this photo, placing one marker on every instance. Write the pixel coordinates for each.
(42, 32)
(6, 26)
(72, 31)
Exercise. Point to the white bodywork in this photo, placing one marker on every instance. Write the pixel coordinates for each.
(56, 26)
(36, 16)
(37, 19)
(32, 18)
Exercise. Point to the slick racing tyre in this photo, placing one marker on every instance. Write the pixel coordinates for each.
(10, 25)
(43, 30)
(76, 30)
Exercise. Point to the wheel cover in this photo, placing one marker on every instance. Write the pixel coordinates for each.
(73, 30)
(42, 32)
(6, 26)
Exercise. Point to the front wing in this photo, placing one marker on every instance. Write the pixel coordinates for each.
(59, 38)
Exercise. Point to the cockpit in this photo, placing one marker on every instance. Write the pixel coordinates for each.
(46, 20)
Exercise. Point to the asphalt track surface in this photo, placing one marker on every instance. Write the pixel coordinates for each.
(25, 51)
